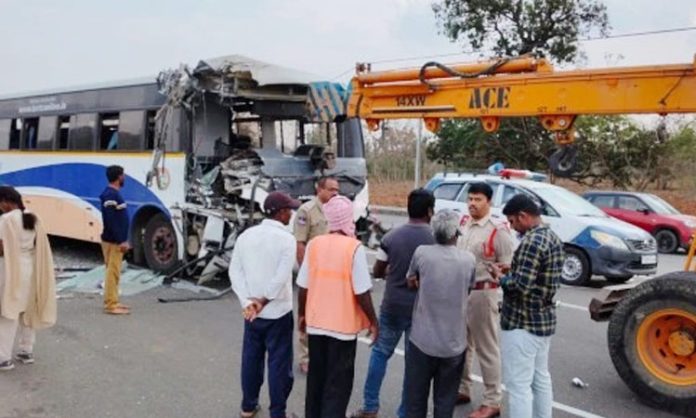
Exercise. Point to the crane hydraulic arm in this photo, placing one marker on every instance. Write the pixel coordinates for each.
(520, 87)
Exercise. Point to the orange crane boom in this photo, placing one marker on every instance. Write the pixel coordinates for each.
(519, 87)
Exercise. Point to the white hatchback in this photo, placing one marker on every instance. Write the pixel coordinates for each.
(595, 243)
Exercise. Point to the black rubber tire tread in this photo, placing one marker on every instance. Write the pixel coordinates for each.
(153, 224)
(677, 289)
(138, 247)
(570, 162)
(586, 275)
(675, 237)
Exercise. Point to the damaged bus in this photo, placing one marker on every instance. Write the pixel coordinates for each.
(201, 148)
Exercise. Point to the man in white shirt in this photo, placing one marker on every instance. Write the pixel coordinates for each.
(261, 276)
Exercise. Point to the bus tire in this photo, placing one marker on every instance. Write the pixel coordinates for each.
(652, 337)
(160, 246)
(138, 251)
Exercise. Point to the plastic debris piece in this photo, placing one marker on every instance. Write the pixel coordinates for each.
(577, 382)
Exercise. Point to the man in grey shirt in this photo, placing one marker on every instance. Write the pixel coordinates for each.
(444, 276)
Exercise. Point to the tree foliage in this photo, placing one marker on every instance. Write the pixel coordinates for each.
(549, 28)
(613, 150)
(518, 143)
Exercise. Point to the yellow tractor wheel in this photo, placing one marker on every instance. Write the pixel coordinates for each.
(652, 341)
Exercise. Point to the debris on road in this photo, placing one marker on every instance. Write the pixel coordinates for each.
(212, 296)
(577, 382)
(134, 280)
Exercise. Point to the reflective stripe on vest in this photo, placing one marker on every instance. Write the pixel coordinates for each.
(331, 301)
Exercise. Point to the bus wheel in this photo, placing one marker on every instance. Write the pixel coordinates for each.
(159, 244)
(652, 341)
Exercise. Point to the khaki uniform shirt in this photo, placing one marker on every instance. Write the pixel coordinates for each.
(475, 238)
(310, 221)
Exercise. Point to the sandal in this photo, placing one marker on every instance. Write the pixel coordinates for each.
(118, 310)
(251, 414)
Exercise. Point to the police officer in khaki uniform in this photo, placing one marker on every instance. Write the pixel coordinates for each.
(490, 241)
(310, 222)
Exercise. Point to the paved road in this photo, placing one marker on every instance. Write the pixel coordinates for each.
(182, 360)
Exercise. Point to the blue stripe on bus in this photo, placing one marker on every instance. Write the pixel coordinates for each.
(86, 181)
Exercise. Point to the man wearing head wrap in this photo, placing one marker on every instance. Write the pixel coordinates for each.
(334, 306)
(310, 222)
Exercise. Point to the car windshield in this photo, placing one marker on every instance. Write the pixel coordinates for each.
(659, 206)
(567, 202)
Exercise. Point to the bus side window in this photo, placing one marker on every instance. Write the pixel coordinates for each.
(83, 131)
(48, 131)
(150, 129)
(5, 128)
(30, 133)
(15, 133)
(63, 132)
(131, 130)
(108, 131)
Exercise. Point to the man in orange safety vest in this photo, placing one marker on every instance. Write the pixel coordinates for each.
(334, 306)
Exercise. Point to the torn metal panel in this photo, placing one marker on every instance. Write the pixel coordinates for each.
(262, 73)
(253, 128)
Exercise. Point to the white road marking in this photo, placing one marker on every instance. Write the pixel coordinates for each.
(477, 378)
(571, 306)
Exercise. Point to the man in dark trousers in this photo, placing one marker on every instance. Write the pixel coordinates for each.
(310, 222)
(393, 259)
(444, 276)
(114, 238)
(334, 306)
(261, 276)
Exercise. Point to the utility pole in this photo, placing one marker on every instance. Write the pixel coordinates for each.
(419, 139)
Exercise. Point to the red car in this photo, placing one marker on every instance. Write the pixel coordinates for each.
(670, 228)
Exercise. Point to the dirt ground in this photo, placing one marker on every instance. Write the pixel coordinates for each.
(395, 193)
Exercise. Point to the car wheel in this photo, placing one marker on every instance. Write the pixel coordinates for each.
(576, 267)
(667, 241)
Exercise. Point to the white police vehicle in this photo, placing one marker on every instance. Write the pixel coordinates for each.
(595, 243)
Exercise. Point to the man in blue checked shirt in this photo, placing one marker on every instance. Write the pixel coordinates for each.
(528, 317)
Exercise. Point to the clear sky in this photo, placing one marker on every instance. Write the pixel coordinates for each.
(50, 43)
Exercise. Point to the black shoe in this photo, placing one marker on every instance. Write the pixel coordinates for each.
(25, 358)
(6, 365)
(463, 399)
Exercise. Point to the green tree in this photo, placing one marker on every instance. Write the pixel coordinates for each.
(462, 144)
(681, 155)
(622, 153)
(550, 28)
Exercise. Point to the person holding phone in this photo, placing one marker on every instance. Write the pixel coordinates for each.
(528, 318)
